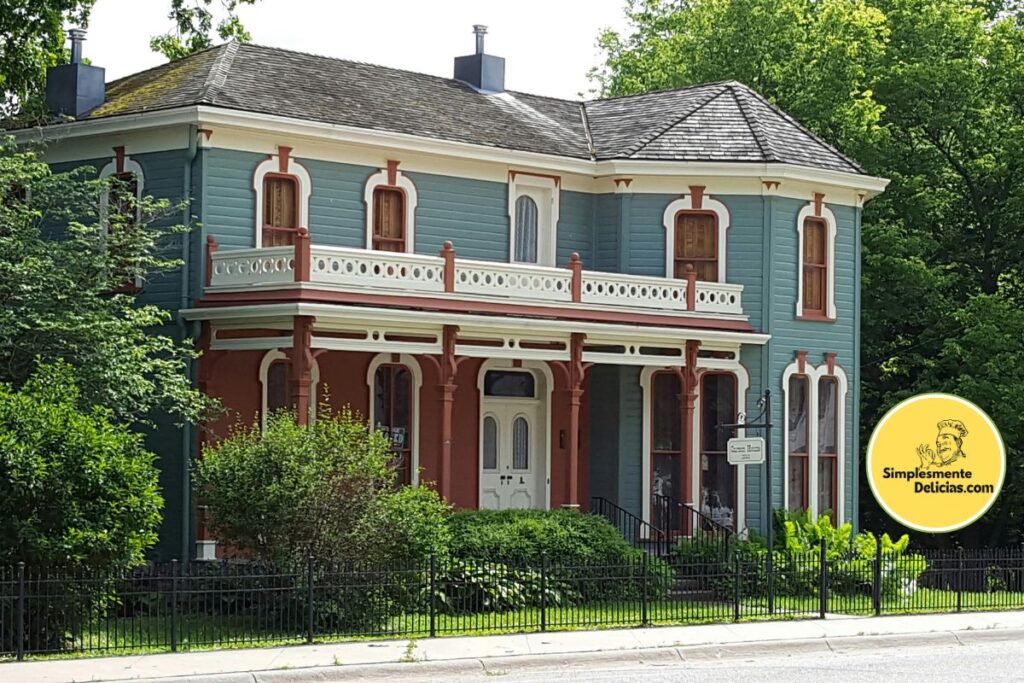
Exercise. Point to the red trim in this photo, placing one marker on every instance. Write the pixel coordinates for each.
(801, 362)
(283, 156)
(459, 306)
(206, 133)
(771, 184)
(302, 255)
(211, 249)
(819, 198)
(302, 366)
(830, 361)
(697, 197)
(119, 159)
(623, 181)
(691, 287)
(448, 254)
(576, 266)
(393, 172)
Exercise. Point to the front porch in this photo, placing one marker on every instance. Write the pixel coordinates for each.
(497, 411)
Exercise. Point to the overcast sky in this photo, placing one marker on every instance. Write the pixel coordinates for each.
(548, 45)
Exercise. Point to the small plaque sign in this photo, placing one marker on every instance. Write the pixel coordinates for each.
(746, 451)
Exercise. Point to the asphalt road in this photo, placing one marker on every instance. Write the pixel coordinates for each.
(973, 661)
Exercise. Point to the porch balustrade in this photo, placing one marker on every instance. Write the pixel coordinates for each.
(444, 275)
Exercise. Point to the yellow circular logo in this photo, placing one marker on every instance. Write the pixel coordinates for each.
(936, 462)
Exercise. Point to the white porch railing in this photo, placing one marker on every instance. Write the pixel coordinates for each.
(444, 275)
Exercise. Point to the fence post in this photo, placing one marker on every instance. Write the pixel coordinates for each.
(771, 578)
(433, 595)
(643, 591)
(309, 599)
(822, 580)
(959, 579)
(737, 580)
(543, 590)
(21, 611)
(174, 605)
(876, 580)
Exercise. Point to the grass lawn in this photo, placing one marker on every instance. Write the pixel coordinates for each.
(143, 635)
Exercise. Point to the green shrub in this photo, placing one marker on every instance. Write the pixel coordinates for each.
(467, 586)
(581, 549)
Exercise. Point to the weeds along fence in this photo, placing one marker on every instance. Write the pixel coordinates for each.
(172, 606)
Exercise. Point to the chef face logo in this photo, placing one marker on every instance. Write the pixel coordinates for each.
(948, 446)
(918, 465)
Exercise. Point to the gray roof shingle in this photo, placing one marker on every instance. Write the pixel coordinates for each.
(715, 122)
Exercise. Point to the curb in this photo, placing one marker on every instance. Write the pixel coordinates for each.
(493, 666)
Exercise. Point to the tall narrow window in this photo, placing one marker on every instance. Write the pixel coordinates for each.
(392, 410)
(278, 385)
(280, 210)
(718, 477)
(520, 444)
(388, 219)
(490, 443)
(696, 244)
(797, 454)
(666, 449)
(828, 470)
(815, 268)
(526, 230)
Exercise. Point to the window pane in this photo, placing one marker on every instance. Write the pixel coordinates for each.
(666, 477)
(814, 288)
(509, 383)
(278, 376)
(826, 485)
(388, 219)
(280, 211)
(392, 407)
(718, 406)
(814, 243)
(520, 444)
(490, 443)
(665, 412)
(122, 204)
(797, 418)
(526, 230)
(696, 244)
(827, 405)
(797, 482)
(718, 492)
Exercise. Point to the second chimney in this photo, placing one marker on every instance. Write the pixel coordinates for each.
(75, 89)
(484, 72)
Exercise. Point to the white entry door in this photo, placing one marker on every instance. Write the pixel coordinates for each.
(511, 458)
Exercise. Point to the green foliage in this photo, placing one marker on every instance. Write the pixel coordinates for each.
(76, 489)
(60, 292)
(288, 492)
(468, 586)
(193, 26)
(924, 92)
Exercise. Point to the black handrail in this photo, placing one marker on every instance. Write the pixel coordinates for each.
(639, 533)
(683, 518)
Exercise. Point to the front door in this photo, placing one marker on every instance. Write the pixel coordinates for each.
(511, 454)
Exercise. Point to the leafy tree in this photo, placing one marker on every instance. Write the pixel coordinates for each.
(929, 93)
(193, 25)
(76, 489)
(65, 295)
(328, 491)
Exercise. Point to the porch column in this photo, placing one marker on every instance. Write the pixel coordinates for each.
(447, 368)
(302, 366)
(576, 374)
(690, 381)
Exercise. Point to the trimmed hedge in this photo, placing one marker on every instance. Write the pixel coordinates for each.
(517, 537)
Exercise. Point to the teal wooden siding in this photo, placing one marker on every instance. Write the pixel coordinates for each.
(817, 338)
(575, 227)
(472, 214)
(607, 230)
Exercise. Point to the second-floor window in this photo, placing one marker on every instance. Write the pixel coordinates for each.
(815, 268)
(525, 247)
(696, 244)
(280, 210)
(389, 219)
(533, 218)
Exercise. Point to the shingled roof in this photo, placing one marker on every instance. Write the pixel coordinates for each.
(715, 122)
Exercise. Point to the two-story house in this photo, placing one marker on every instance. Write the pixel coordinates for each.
(542, 301)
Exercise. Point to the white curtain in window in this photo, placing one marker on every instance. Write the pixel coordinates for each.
(827, 390)
(526, 230)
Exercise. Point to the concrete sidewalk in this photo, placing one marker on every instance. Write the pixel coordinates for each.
(365, 660)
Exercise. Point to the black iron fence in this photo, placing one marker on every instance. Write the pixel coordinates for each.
(169, 607)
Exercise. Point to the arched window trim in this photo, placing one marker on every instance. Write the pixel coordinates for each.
(268, 359)
(403, 184)
(814, 374)
(272, 167)
(417, 383)
(732, 366)
(685, 204)
(829, 218)
(544, 191)
(129, 166)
